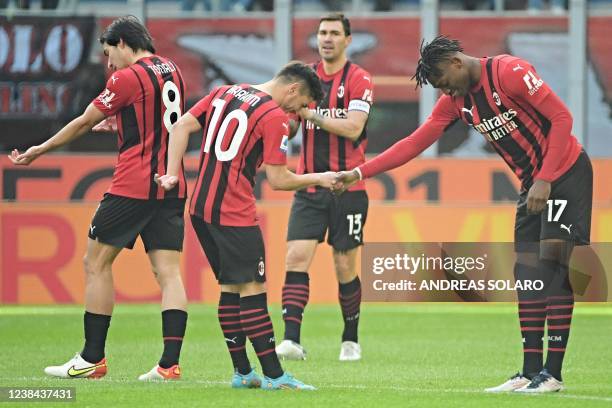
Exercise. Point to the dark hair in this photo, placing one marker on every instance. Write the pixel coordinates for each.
(131, 31)
(439, 49)
(297, 71)
(346, 24)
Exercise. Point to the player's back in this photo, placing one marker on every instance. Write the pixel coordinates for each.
(242, 127)
(147, 98)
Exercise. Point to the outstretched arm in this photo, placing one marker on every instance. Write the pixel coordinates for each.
(443, 115)
(73, 130)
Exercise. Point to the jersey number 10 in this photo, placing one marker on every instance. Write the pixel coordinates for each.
(239, 133)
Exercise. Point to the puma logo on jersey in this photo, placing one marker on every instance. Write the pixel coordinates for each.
(232, 340)
(567, 228)
(468, 111)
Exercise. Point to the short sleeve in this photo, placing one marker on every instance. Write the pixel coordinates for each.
(119, 93)
(276, 139)
(361, 92)
(201, 107)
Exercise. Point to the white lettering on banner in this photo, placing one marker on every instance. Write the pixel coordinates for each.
(61, 48)
(73, 44)
(4, 46)
(21, 55)
(33, 98)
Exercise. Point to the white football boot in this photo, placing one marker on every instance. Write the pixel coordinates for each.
(290, 350)
(76, 367)
(350, 351)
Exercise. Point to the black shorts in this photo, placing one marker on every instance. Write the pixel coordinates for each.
(235, 254)
(312, 214)
(119, 220)
(567, 215)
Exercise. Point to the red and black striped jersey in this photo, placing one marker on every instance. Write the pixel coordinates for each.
(147, 98)
(243, 127)
(348, 89)
(516, 111)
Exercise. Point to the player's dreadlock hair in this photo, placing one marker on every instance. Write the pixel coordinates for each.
(438, 50)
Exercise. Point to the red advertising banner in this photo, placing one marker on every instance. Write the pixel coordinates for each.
(482, 181)
(40, 58)
(233, 50)
(42, 248)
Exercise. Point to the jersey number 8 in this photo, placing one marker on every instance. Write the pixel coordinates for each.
(172, 101)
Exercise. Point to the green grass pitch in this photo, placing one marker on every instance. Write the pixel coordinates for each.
(420, 355)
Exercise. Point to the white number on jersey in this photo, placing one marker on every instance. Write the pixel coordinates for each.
(551, 203)
(355, 225)
(172, 106)
(239, 133)
(533, 82)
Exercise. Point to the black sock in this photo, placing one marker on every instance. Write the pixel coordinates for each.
(532, 317)
(256, 324)
(558, 320)
(350, 303)
(295, 298)
(174, 322)
(96, 328)
(229, 319)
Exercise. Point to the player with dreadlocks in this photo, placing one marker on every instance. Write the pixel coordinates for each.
(527, 124)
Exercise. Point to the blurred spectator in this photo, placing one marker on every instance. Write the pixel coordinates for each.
(223, 5)
(25, 4)
(478, 4)
(556, 6)
(383, 5)
(333, 5)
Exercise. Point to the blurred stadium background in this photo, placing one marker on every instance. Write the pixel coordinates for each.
(51, 67)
